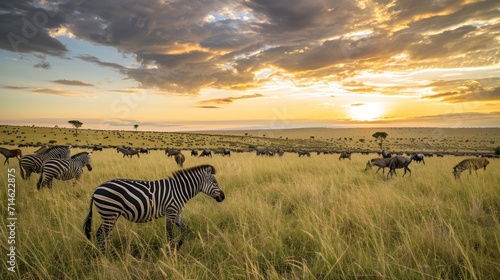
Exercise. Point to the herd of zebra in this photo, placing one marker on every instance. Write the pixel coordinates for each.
(143, 201)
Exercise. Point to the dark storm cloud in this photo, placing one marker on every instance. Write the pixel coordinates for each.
(185, 46)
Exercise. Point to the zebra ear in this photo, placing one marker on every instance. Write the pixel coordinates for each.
(211, 169)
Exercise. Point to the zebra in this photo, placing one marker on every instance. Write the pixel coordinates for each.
(142, 201)
(471, 163)
(64, 169)
(10, 154)
(179, 159)
(127, 152)
(33, 163)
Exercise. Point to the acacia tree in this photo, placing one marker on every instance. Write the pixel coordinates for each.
(76, 124)
(135, 127)
(381, 137)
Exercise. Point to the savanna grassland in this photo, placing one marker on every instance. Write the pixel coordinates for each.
(283, 218)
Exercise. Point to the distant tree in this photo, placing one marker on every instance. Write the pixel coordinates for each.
(136, 126)
(381, 137)
(76, 124)
(497, 150)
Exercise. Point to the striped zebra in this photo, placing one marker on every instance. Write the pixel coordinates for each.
(33, 163)
(471, 163)
(142, 201)
(64, 169)
(127, 152)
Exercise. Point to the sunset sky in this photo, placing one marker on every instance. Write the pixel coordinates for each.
(217, 64)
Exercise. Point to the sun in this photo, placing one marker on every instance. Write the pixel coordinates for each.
(366, 111)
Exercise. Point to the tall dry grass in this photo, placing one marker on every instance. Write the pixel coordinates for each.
(283, 218)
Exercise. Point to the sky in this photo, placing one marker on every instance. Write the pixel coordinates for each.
(169, 65)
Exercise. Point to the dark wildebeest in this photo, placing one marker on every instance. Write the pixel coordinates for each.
(194, 152)
(179, 159)
(127, 151)
(97, 148)
(304, 153)
(386, 154)
(10, 154)
(280, 152)
(344, 155)
(418, 158)
(380, 162)
(143, 151)
(206, 153)
(398, 162)
(171, 152)
(226, 152)
(471, 163)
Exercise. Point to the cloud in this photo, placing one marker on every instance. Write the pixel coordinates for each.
(468, 91)
(357, 104)
(228, 100)
(208, 107)
(72, 83)
(43, 65)
(58, 92)
(225, 44)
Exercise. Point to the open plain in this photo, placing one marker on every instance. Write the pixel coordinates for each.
(286, 217)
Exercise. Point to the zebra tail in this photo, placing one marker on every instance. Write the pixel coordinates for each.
(87, 223)
(22, 171)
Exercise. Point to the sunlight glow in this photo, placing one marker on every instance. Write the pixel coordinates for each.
(366, 111)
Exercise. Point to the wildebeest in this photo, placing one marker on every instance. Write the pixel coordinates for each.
(344, 155)
(398, 162)
(226, 152)
(380, 162)
(264, 152)
(171, 152)
(10, 154)
(179, 159)
(127, 151)
(470, 163)
(206, 153)
(194, 152)
(304, 153)
(386, 154)
(418, 158)
(97, 148)
(144, 151)
(280, 152)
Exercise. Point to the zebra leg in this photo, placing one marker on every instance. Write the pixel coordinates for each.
(104, 231)
(182, 226)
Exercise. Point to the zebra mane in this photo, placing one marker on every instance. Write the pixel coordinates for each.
(56, 147)
(79, 154)
(181, 173)
(41, 148)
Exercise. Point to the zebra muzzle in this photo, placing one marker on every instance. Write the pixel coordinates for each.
(220, 197)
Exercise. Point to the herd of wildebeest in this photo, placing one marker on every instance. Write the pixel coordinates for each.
(385, 159)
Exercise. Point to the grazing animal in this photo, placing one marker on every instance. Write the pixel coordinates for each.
(470, 164)
(64, 169)
(144, 150)
(280, 152)
(33, 163)
(398, 162)
(382, 163)
(386, 154)
(344, 155)
(142, 201)
(127, 152)
(10, 154)
(171, 152)
(264, 152)
(179, 159)
(206, 153)
(226, 152)
(418, 158)
(97, 148)
(194, 152)
(304, 153)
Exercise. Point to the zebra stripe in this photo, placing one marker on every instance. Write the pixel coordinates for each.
(33, 163)
(470, 164)
(64, 169)
(142, 201)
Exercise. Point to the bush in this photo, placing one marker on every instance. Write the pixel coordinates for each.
(497, 150)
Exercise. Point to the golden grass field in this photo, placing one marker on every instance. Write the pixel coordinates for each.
(283, 218)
